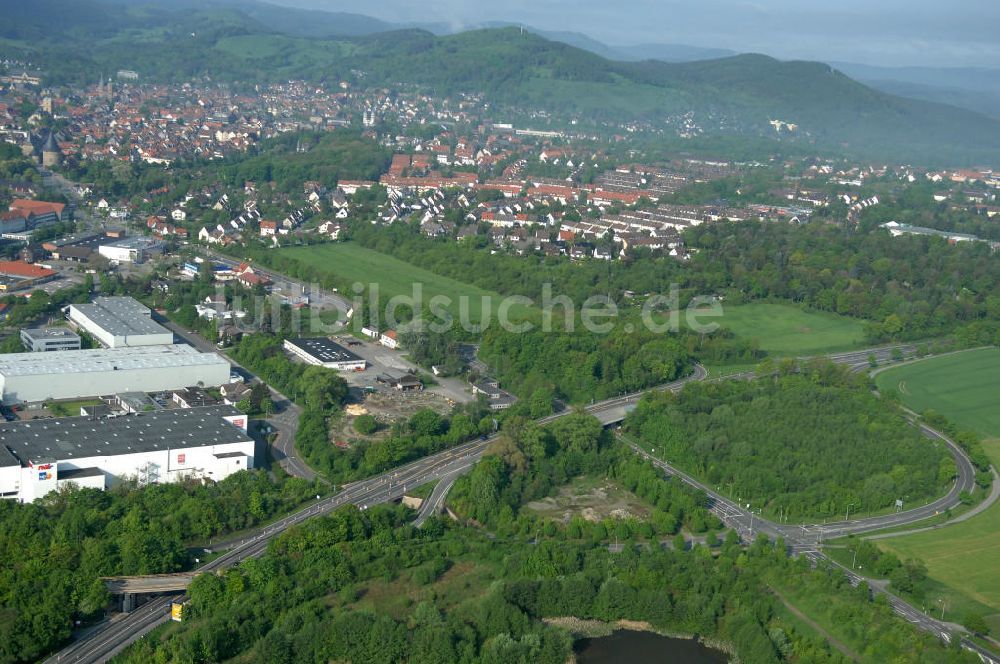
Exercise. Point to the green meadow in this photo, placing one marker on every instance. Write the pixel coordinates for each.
(964, 387)
(394, 277)
(784, 329)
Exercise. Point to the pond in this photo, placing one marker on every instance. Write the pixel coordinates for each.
(630, 647)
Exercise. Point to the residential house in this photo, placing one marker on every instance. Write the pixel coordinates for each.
(233, 393)
(389, 339)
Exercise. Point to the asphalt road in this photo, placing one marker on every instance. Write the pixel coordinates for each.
(433, 503)
(860, 360)
(285, 418)
(110, 638)
(320, 298)
(807, 539)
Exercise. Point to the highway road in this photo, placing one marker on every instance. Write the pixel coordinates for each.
(860, 360)
(811, 536)
(807, 540)
(113, 636)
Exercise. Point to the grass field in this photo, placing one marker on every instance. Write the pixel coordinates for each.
(395, 277)
(963, 560)
(71, 408)
(964, 387)
(782, 329)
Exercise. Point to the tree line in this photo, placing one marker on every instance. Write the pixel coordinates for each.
(907, 287)
(54, 551)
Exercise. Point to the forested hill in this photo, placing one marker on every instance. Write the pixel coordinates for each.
(743, 92)
(75, 41)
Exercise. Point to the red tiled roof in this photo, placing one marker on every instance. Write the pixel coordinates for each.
(20, 269)
(25, 206)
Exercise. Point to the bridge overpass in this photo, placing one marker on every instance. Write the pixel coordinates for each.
(113, 636)
(130, 587)
(150, 583)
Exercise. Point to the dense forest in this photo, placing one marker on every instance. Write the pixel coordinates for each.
(812, 444)
(529, 461)
(580, 366)
(365, 586)
(54, 551)
(909, 287)
(291, 159)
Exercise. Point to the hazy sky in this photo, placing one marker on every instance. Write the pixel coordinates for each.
(890, 32)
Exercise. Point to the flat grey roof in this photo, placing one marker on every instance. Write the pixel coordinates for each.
(95, 360)
(68, 438)
(121, 316)
(7, 459)
(42, 333)
(324, 350)
(76, 473)
(134, 242)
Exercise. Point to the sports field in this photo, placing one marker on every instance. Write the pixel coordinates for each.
(964, 387)
(395, 277)
(782, 329)
(963, 560)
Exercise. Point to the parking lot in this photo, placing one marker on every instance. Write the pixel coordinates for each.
(382, 360)
(386, 360)
(64, 280)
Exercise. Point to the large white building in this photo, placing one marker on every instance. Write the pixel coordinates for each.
(130, 249)
(118, 322)
(72, 374)
(325, 353)
(39, 456)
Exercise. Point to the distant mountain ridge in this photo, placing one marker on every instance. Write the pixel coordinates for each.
(750, 90)
(737, 95)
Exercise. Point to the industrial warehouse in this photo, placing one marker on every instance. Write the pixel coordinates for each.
(325, 353)
(40, 456)
(72, 374)
(117, 322)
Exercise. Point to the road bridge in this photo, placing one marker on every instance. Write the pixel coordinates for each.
(150, 583)
(114, 636)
